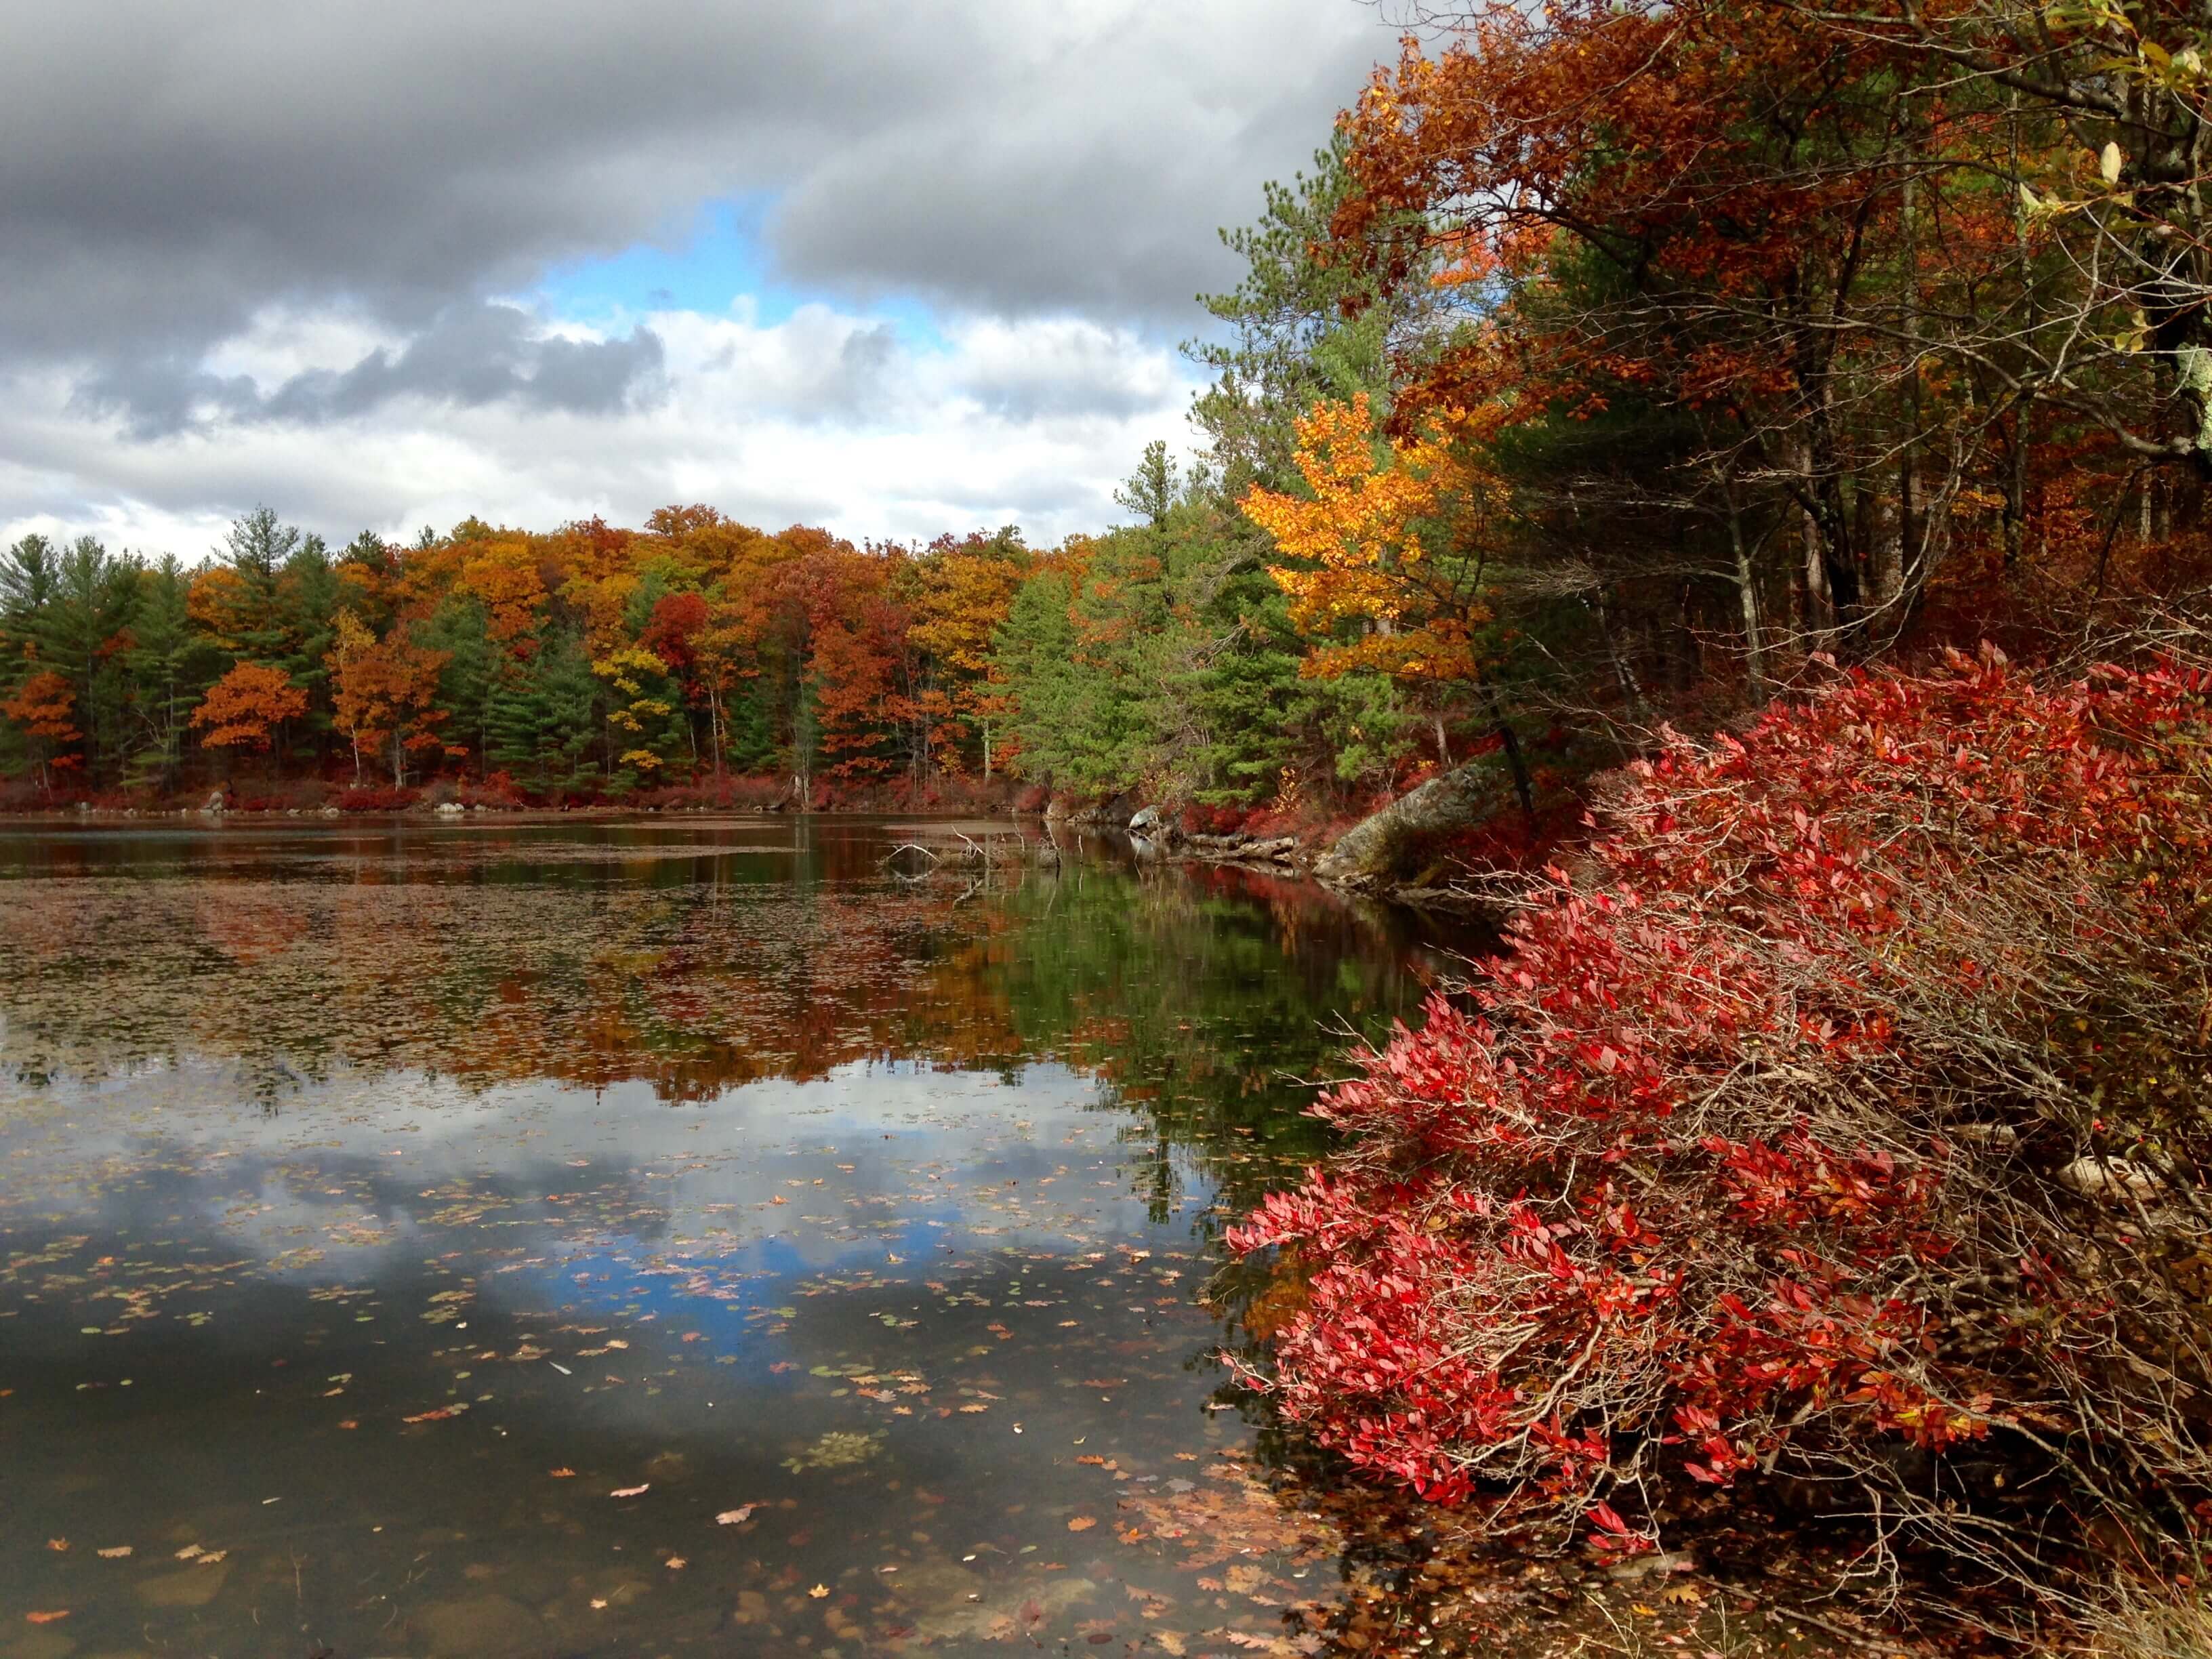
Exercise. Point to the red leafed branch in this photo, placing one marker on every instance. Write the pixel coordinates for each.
(1827, 1123)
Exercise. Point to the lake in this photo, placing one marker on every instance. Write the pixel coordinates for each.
(655, 1235)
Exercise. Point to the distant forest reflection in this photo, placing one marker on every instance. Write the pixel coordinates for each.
(694, 958)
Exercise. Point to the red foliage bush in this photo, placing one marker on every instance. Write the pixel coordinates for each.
(1766, 1147)
(377, 798)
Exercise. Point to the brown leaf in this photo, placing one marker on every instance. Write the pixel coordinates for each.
(1081, 1523)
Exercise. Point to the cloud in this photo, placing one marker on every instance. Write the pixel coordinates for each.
(467, 356)
(827, 416)
(249, 248)
(176, 167)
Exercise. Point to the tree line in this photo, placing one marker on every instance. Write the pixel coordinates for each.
(1609, 367)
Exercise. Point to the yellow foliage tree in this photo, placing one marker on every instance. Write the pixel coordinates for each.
(1390, 544)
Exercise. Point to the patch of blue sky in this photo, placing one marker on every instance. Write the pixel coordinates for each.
(713, 265)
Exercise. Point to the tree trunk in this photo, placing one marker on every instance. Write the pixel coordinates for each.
(1746, 588)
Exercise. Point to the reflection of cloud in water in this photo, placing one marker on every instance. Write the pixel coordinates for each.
(874, 1162)
(400, 1168)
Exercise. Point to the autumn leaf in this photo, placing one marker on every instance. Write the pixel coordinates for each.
(735, 1517)
(819, 1591)
(1081, 1523)
(631, 1491)
(47, 1618)
(115, 1552)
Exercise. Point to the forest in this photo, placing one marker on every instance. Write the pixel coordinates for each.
(1605, 371)
(1781, 432)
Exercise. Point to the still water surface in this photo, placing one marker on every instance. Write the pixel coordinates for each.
(648, 1238)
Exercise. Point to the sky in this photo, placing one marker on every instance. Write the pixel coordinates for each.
(894, 267)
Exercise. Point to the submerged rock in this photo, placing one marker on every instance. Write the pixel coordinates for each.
(188, 1587)
(478, 1627)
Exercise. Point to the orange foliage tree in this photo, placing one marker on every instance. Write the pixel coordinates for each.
(386, 695)
(43, 706)
(246, 707)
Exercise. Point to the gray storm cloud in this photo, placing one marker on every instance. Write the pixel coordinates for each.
(176, 167)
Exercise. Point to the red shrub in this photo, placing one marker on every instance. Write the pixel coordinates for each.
(376, 797)
(1761, 1151)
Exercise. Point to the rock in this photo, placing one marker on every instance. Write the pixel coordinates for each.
(1146, 822)
(1646, 1566)
(2001, 1135)
(960, 1619)
(190, 1586)
(450, 809)
(215, 803)
(2117, 1179)
(330, 812)
(1370, 851)
(478, 1627)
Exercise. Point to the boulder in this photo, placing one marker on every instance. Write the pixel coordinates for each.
(215, 803)
(2118, 1180)
(478, 1627)
(1370, 851)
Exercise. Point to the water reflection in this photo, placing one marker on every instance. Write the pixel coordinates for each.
(590, 1238)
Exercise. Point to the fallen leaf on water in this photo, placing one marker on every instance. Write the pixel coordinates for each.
(438, 1415)
(819, 1591)
(211, 1558)
(735, 1517)
(677, 1563)
(561, 1474)
(189, 1552)
(598, 1603)
(57, 1543)
(631, 1491)
(116, 1553)
(1081, 1523)
(47, 1617)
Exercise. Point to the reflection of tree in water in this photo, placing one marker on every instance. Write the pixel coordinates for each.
(1195, 1000)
